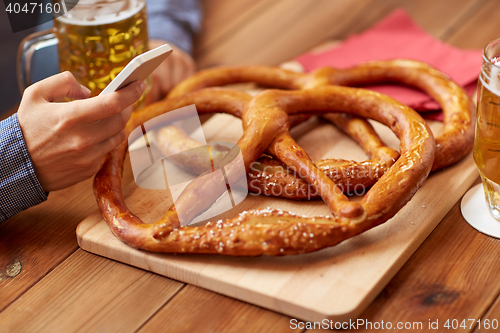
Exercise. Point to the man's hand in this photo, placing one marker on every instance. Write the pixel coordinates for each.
(67, 140)
(178, 66)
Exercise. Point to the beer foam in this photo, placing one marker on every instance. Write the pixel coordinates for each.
(494, 84)
(83, 15)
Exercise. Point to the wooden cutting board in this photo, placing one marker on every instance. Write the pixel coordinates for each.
(335, 283)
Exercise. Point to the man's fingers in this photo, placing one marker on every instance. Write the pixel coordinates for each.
(88, 161)
(101, 107)
(57, 87)
(83, 93)
(109, 144)
(108, 127)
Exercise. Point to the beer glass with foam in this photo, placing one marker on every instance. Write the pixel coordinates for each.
(95, 41)
(487, 140)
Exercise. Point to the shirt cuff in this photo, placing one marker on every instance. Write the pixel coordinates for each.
(19, 185)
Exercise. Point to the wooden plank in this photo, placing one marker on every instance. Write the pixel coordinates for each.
(435, 17)
(197, 310)
(284, 31)
(453, 275)
(479, 28)
(365, 12)
(439, 18)
(35, 241)
(490, 322)
(273, 37)
(222, 17)
(335, 283)
(39, 238)
(87, 293)
(455, 13)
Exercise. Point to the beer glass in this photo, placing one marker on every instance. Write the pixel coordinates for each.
(95, 41)
(487, 140)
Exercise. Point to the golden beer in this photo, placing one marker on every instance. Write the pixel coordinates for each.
(487, 140)
(97, 41)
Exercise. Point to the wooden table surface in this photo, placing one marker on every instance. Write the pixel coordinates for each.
(48, 284)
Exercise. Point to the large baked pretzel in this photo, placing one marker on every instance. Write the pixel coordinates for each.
(273, 232)
(452, 145)
(268, 176)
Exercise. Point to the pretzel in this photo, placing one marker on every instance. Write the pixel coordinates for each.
(181, 149)
(268, 176)
(273, 232)
(457, 138)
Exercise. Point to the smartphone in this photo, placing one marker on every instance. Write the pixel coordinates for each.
(139, 68)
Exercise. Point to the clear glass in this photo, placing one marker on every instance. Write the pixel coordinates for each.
(95, 40)
(487, 139)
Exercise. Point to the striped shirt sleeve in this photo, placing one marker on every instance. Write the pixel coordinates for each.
(19, 185)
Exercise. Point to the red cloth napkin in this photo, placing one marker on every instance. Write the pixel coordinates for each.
(397, 36)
